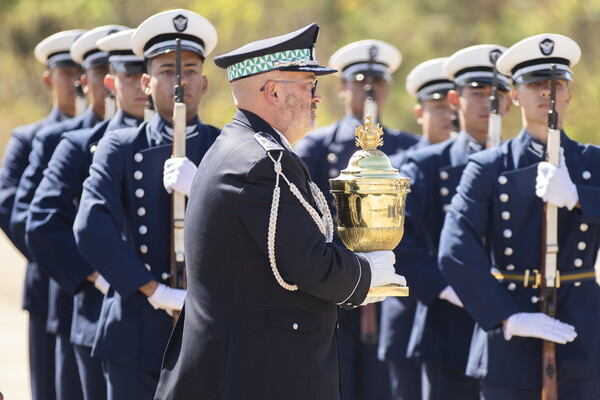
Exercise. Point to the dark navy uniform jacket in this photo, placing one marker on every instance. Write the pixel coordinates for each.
(57, 304)
(495, 221)
(241, 335)
(397, 160)
(16, 159)
(123, 227)
(50, 223)
(441, 331)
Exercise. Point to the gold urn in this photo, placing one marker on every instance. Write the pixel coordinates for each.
(370, 196)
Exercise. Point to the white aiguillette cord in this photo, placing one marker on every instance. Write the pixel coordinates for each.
(324, 223)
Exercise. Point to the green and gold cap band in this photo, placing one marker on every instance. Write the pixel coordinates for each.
(269, 62)
(292, 52)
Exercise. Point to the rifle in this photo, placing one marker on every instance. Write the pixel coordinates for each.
(110, 106)
(550, 282)
(370, 107)
(494, 137)
(178, 275)
(149, 109)
(80, 99)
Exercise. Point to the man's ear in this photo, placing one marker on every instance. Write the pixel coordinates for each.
(109, 83)
(514, 96)
(342, 90)
(204, 85)
(145, 81)
(84, 83)
(271, 92)
(47, 79)
(418, 113)
(453, 97)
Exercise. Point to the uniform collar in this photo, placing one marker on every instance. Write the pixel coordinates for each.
(528, 149)
(463, 146)
(421, 143)
(257, 124)
(160, 131)
(533, 146)
(286, 143)
(57, 115)
(471, 145)
(123, 120)
(90, 118)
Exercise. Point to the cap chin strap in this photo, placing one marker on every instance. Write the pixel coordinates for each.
(294, 63)
(324, 223)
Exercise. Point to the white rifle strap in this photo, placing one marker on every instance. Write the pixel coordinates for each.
(494, 130)
(179, 125)
(110, 107)
(81, 104)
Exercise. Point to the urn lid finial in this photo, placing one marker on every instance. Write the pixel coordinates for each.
(368, 137)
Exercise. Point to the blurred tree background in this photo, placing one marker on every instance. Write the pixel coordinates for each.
(421, 29)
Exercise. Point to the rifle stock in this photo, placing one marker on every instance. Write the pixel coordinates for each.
(110, 106)
(178, 278)
(370, 105)
(494, 137)
(149, 109)
(494, 130)
(550, 255)
(81, 102)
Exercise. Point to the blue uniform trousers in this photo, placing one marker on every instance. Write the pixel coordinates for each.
(364, 376)
(129, 383)
(91, 375)
(41, 358)
(405, 380)
(441, 383)
(67, 376)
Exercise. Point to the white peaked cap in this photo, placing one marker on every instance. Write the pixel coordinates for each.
(157, 34)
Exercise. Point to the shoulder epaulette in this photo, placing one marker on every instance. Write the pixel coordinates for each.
(267, 142)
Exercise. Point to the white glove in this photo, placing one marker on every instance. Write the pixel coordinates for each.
(538, 325)
(178, 174)
(382, 268)
(167, 298)
(372, 299)
(554, 185)
(450, 295)
(102, 284)
(382, 272)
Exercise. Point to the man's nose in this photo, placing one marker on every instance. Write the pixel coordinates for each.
(317, 97)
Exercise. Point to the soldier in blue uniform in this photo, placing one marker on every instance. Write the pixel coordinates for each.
(52, 211)
(123, 223)
(59, 78)
(365, 68)
(264, 279)
(491, 240)
(429, 85)
(442, 330)
(60, 303)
